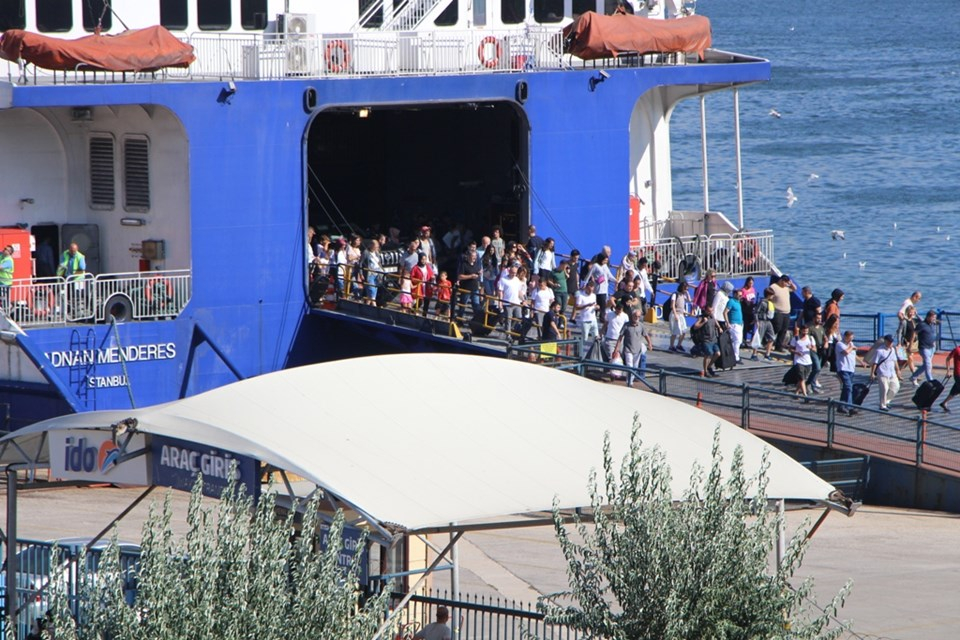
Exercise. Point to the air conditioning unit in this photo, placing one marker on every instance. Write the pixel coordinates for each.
(300, 59)
(295, 25)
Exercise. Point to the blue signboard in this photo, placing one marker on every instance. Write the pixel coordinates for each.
(351, 546)
(176, 464)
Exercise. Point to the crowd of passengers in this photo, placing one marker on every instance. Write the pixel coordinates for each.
(527, 288)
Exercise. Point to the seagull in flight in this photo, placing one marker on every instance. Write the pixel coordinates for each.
(813, 177)
(774, 113)
(863, 264)
(837, 234)
(791, 197)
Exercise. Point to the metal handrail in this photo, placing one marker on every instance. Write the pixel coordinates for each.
(84, 298)
(916, 440)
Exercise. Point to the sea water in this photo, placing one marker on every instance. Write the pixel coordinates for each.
(869, 99)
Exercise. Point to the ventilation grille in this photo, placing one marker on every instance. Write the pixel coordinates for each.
(102, 187)
(136, 174)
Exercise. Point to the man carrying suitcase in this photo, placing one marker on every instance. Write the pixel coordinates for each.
(885, 369)
(953, 357)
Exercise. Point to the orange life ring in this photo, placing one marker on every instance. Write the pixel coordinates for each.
(748, 250)
(337, 56)
(489, 63)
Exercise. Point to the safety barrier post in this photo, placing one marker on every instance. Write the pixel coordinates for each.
(921, 435)
(662, 383)
(745, 407)
(700, 391)
(831, 421)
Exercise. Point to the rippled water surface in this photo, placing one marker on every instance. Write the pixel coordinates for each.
(869, 95)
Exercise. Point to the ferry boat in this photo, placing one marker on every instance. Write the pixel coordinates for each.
(189, 186)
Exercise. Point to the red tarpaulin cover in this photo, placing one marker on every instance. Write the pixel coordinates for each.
(135, 50)
(593, 36)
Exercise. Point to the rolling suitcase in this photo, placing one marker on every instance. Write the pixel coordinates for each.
(860, 391)
(728, 360)
(927, 394)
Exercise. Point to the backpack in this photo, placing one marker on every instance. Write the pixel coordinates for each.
(764, 309)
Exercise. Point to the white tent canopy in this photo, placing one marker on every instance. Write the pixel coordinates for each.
(425, 440)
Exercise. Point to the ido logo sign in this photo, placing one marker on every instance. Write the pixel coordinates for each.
(82, 457)
(92, 455)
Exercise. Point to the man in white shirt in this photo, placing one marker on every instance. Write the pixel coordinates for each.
(720, 299)
(884, 370)
(512, 292)
(585, 309)
(436, 630)
(846, 358)
(613, 326)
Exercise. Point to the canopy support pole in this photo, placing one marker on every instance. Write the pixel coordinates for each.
(13, 584)
(454, 586)
(123, 514)
(403, 602)
(781, 533)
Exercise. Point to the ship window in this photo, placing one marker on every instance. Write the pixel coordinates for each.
(480, 12)
(545, 11)
(582, 6)
(449, 16)
(173, 14)
(609, 6)
(54, 15)
(136, 174)
(253, 14)
(213, 15)
(376, 18)
(511, 11)
(12, 15)
(92, 12)
(102, 185)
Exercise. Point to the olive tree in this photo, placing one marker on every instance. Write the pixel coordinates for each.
(238, 572)
(650, 567)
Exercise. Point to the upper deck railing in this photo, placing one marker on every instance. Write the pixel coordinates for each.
(149, 295)
(364, 54)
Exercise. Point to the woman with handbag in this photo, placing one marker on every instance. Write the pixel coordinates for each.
(908, 343)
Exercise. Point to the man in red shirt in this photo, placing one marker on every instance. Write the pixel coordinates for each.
(954, 357)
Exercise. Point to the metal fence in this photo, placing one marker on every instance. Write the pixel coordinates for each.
(729, 254)
(480, 618)
(148, 295)
(37, 567)
(913, 439)
(876, 325)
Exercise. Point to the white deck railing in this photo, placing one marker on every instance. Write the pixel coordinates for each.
(149, 295)
(729, 254)
(372, 53)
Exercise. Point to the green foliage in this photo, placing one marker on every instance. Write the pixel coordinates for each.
(241, 574)
(652, 568)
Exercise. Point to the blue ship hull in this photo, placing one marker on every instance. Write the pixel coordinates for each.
(248, 312)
